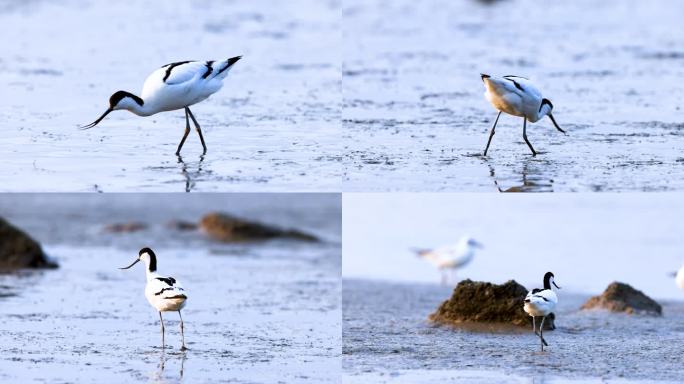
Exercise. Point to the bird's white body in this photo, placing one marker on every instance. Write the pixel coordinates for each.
(184, 86)
(515, 96)
(165, 294)
(540, 303)
(679, 278)
(452, 257)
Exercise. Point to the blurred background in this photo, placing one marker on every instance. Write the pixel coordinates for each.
(587, 240)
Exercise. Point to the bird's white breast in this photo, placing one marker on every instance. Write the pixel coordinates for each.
(540, 303)
(159, 295)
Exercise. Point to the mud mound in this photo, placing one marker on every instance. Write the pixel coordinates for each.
(19, 250)
(228, 228)
(621, 297)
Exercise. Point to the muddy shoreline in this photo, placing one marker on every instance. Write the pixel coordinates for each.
(385, 330)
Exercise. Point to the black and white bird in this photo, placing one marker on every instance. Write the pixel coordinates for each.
(540, 303)
(517, 96)
(447, 259)
(174, 86)
(165, 294)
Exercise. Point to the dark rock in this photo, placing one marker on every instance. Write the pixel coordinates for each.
(481, 302)
(621, 297)
(180, 225)
(18, 250)
(227, 228)
(125, 227)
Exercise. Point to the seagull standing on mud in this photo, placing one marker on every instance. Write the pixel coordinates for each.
(540, 303)
(165, 294)
(518, 97)
(174, 86)
(449, 258)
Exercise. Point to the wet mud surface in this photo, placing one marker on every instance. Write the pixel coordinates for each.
(415, 118)
(262, 312)
(273, 127)
(387, 338)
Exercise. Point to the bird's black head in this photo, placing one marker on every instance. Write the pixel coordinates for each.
(119, 100)
(546, 102)
(548, 280)
(484, 76)
(149, 253)
(118, 96)
(146, 250)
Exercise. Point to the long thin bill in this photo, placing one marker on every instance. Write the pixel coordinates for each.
(555, 124)
(136, 260)
(554, 283)
(94, 123)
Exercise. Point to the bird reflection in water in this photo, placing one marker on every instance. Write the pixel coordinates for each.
(532, 180)
(159, 376)
(190, 176)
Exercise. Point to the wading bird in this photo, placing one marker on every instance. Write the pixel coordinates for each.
(171, 87)
(165, 294)
(540, 303)
(518, 97)
(449, 258)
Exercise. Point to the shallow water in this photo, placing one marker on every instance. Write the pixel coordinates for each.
(415, 118)
(273, 127)
(387, 339)
(263, 312)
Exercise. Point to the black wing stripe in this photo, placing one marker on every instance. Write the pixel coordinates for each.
(168, 280)
(170, 67)
(209, 69)
(517, 85)
(163, 290)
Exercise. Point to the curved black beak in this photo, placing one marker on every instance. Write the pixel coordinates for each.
(136, 260)
(94, 123)
(484, 76)
(556, 124)
(556, 285)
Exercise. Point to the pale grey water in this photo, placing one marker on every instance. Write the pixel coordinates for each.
(387, 339)
(415, 118)
(257, 313)
(273, 127)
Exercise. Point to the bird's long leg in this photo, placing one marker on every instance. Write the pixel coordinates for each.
(491, 133)
(199, 130)
(541, 334)
(161, 321)
(182, 332)
(534, 328)
(185, 135)
(534, 153)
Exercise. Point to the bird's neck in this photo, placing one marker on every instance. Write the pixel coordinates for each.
(141, 110)
(151, 275)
